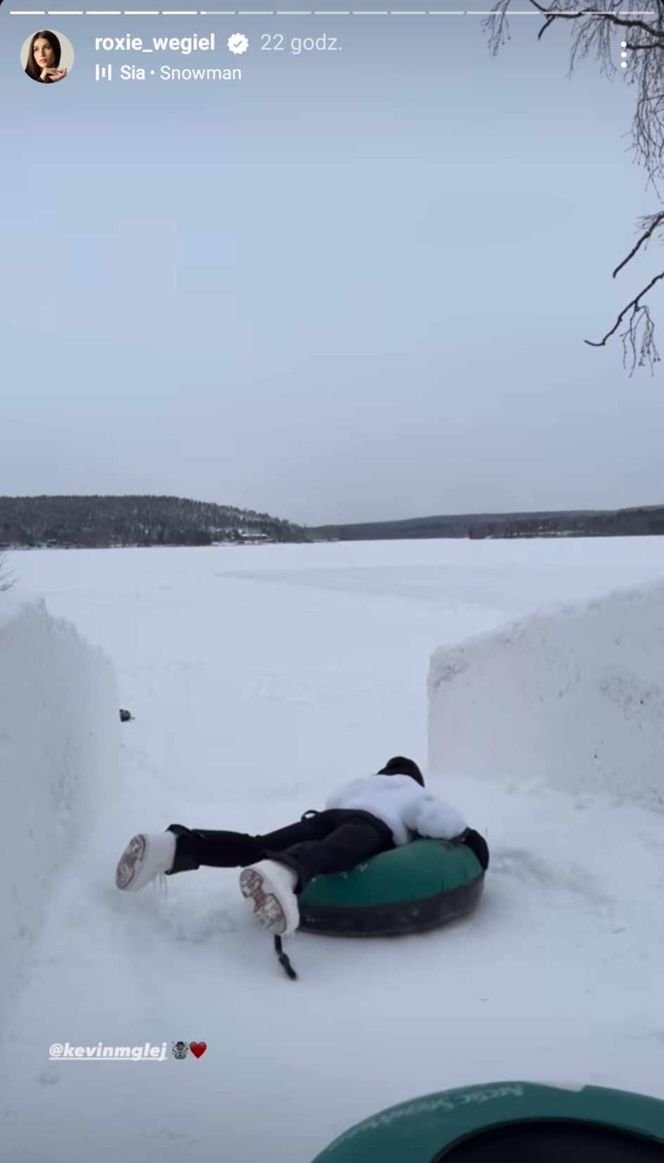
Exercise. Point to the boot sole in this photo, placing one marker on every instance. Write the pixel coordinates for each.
(267, 907)
(130, 862)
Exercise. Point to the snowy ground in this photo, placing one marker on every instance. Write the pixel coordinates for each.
(259, 678)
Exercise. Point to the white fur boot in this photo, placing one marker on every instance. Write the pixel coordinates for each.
(145, 857)
(268, 888)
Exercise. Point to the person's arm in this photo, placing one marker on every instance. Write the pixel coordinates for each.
(433, 818)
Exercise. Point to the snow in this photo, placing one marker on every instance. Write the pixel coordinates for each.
(581, 699)
(261, 678)
(59, 755)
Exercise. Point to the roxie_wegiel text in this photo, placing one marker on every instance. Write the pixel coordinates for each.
(186, 45)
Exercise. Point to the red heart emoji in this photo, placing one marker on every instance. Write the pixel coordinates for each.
(198, 1048)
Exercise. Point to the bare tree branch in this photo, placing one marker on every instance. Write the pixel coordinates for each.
(543, 29)
(608, 16)
(643, 350)
(655, 220)
(593, 30)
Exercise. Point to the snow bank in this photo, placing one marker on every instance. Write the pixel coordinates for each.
(59, 733)
(574, 697)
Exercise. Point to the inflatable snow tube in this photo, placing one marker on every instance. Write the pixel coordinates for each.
(509, 1122)
(409, 889)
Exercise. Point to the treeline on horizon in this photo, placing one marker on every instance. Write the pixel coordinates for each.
(644, 521)
(100, 522)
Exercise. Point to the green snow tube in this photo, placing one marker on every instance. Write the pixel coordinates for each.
(509, 1122)
(409, 889)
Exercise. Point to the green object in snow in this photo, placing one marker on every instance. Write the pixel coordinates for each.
(509, 1122)
(409, 889)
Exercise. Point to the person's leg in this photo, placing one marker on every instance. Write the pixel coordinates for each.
(196, 847)
(341, 840)
(348, 843)
(200, 847)
(181, 849)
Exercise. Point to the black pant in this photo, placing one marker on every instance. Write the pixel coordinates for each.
(321, 842)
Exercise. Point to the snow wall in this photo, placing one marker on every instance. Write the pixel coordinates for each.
(573, 696)
(59, 762)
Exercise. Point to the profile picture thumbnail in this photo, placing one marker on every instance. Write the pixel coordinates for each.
(47, 56)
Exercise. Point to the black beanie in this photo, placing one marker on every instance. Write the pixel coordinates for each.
(398, 765)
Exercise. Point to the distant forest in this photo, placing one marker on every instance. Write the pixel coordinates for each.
(640, 522)
(105, 522)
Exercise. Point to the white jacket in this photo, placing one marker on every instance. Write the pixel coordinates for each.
(401, 803)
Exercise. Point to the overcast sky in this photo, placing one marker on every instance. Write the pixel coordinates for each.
(350, 287)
